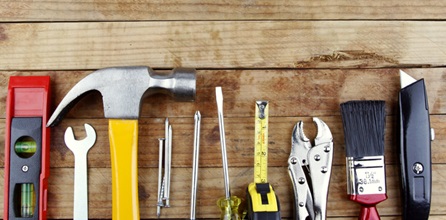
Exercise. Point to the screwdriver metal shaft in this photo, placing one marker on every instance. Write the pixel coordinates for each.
(195, 159)
(221, 124)
(228, 204)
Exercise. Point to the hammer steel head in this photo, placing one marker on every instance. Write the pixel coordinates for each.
(123, 88)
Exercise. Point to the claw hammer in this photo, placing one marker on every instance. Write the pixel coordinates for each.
(122, 90)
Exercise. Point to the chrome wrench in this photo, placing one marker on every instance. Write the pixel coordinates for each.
(80, 150)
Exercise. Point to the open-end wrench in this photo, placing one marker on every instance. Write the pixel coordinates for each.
(80, 150)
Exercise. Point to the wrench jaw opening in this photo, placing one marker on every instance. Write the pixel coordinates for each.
(80, 150)
(85, 143)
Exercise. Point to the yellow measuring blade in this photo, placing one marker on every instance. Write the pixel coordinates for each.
(261, 143)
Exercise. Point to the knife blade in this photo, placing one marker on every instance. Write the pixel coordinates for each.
(415, 148)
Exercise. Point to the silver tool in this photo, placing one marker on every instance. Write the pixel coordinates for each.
(80, 150)
(160, 178)
(165, 151)
(221, 123)
(310, 165)
(195, 159)
(168, 167)
(228, 204)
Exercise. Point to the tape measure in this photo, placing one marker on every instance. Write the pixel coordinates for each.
(262, 202)
(261, 143)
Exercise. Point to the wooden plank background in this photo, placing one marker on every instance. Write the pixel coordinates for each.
(305, 57)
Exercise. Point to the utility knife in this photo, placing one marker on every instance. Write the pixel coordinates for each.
(415, 148)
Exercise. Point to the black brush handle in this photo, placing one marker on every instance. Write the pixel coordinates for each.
(415, 151)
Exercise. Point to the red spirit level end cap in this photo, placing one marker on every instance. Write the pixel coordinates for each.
(28, 95)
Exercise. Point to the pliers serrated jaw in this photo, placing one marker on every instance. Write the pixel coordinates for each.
(309, 168)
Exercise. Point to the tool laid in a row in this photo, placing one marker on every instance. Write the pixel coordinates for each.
(123, 88)
(227, 204)
(262, 201)
(415, 135)
(164, 166)
(80, 150)
(165, 154)
(195, 160)
(310, 169)
(27, 148)
(364, 124)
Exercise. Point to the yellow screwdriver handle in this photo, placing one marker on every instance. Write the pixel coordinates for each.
(123, 136)
(229, 208)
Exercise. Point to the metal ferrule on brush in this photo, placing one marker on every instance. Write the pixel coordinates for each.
(366, 175)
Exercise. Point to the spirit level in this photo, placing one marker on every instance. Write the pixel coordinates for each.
(27, 144)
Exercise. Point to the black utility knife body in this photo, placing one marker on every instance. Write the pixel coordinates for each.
(415, 148)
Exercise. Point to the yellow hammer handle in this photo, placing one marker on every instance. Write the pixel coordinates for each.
(123, 136)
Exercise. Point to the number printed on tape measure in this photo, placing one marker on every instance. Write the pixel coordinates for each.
(261, 143)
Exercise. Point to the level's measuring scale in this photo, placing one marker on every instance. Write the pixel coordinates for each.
(261, 143)
(262, 202)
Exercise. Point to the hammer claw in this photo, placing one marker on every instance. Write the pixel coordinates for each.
(122, 89)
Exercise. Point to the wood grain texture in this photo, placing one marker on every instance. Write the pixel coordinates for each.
(210, 187)
(222, 44)
(240, 141)
(294, 95)
(305, 57)
(291, 92)
(102, 10)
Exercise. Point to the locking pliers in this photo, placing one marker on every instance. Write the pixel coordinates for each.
(310, 169)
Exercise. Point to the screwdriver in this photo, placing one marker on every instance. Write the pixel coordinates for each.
(228, 204)
(261, 200)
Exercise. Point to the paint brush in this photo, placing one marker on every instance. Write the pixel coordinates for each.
(364, 123)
